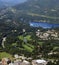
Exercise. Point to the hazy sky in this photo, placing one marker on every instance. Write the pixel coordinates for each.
(14, 0)
(11, 2)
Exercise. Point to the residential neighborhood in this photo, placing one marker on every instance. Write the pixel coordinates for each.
(21, 60)
(47, 35)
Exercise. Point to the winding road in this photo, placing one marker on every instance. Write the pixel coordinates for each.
(3, 41)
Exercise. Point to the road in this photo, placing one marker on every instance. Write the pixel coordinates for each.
(3, 41)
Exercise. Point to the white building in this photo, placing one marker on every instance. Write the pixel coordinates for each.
(39, 62)
(24, 62)
(46, 35)
(11, 63)
(0, 63)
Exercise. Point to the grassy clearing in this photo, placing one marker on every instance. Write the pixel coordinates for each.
(28, 37)
(27, 48)
(40, 43)
(5, 55)
(50, 17)
(30, 45)
(21, 37)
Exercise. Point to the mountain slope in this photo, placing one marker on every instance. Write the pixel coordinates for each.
(10, 2)
(45, 7)
(37, 10)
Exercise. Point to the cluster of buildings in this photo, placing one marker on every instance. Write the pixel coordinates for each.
(47, 35)
(22, 61)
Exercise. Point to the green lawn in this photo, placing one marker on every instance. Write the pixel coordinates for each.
(28, 37)
(5, 55)
(40, 43)
(27, 48)
(21, 37)
(30, 45)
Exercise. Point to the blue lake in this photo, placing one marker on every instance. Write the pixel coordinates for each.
(43, 25)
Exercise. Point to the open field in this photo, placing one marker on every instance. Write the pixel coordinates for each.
(50, 17)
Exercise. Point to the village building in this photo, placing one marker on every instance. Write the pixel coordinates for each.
(47, 35)
(25, 63)
(39, 62)
(0, 63)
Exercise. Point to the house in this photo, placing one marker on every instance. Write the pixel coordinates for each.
(46, 35)
(22, 62)
(22, 57)
(16, 56)
(0, 63)
(54, 35)
(11, 64)
(17, 62)
(25, 63)
(29, 58)
(24, 30)
(39, 62)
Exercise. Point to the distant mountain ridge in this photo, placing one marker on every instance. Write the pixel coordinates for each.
(37, 10)
(40, 6)
(7, 3)
(48, 9)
